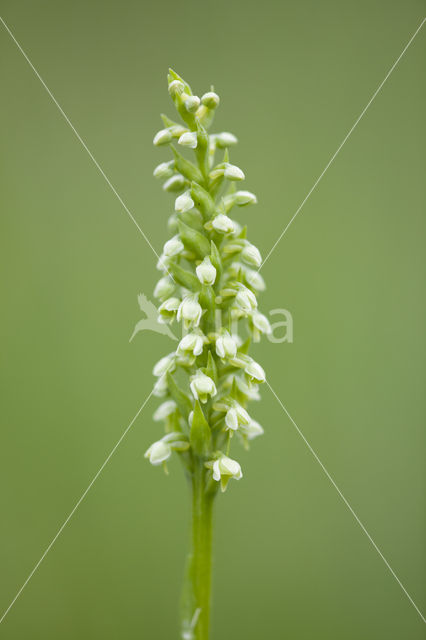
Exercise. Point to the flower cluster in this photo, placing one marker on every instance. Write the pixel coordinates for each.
(209, 284)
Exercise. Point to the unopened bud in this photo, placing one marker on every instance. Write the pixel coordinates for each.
(188, 139)
(164, 170)
(184, 203)
(173, 247)
(175, 183)
(225, 139)
(233, 172)
(210, 100)
(176, 87)
(206, 272)
(251, 255)
(164, 136)
(192, 103)
(164, 288)
(223, 224)
(244, 197)
(255, 371)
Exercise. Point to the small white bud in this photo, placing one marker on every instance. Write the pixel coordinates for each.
(164, 136)
(175, 183)
(190, 311)
(251, 256)
(255, 371)
(192, 343)
(231, 419)
(162, 264)
(206, 272)
(160, 387)
(225, 139)
(164, 170)
(173, 247)
(244, 197)
(168, 310)
(188, 139)
(176, 87)
(246, 300)
(223, 224)
(226, 346)
(192, 103)
(164, 410)
(164, 288)
(158, 452)
(184, 202)
(255, 280)
(164, 364)
(210, 100)
(202, 386)
(232, 172)
(261, 323)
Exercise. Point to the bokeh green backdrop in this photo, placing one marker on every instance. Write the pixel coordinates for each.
(290, 560)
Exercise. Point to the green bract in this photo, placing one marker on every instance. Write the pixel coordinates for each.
(208, 288)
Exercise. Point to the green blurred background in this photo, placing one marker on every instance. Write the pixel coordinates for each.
(290, 560)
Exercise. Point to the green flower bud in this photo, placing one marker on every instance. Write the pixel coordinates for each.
(210, 100)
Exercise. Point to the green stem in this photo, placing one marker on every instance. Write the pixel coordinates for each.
(197, 586)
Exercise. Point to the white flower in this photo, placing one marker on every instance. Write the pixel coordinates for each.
(163, 136)
(251, 256)
(175, 183)
(232, 172)
(173, 247)
(188, 139)
(202, 386)
(244, 197)
(164, 364)
(224, 469)
(158, 452)
(176, 87)
(255, 371)
(162, 263)
(168, 310)
(193, 343)
(206, 273)
(160, 387)
(164, 170)
(184, 202)
(253, 430)
(190, 310)
(255, 280)
(164, 288)
(231, 419)
(246, 300)
(223, 224)
(226, 346)
(192, 103)
(225, 139)
(261, 323)
(164, 410)
(210, 100)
